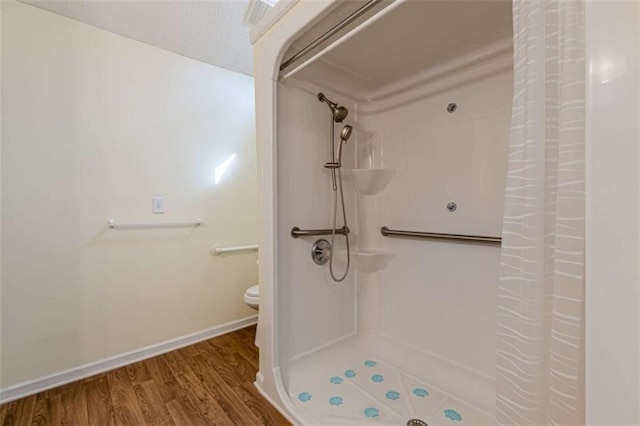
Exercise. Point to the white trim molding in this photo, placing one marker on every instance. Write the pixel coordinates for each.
(31, 387)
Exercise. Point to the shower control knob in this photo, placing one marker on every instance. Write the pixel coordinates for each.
(321, 251)
(452, 206)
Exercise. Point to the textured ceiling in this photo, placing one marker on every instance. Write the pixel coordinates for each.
(210, 31)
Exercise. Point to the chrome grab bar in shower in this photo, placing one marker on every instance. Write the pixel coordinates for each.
(297, 232)
(435, 236)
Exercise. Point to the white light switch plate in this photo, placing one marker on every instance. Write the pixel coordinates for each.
(157, 206)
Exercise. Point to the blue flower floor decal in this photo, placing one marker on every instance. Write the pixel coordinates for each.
(453, 415)
(350, 374)
(421, 393)
(370, 363)
(393, 395)
(304, 396)
(371, 412)
(336, 380)
(336, 401)
(377, 378)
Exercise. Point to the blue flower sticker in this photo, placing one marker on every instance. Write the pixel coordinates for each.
(453, 415)
(336, 380)
(304, 396)
(377, 378)
(350, 374)
(335, 400)
(371, 412)
(370, 363)
(393, 395)
(421, 393)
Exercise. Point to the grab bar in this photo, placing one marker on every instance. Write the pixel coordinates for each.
(297, 232)
(146, 225)
(217, 251)
(435, 236)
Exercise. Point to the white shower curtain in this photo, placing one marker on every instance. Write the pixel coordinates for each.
(540, 351)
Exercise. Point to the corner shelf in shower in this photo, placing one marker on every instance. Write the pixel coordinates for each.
(372, 260)
(372, 181)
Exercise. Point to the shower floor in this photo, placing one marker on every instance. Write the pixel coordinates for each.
(346, 383)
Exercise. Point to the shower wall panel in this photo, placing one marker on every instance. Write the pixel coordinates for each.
(440, 297)
(312, 309)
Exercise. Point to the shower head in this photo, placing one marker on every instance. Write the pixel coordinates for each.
(339, 113)
(345, 134)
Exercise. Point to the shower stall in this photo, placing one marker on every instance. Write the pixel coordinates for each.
(380, 255)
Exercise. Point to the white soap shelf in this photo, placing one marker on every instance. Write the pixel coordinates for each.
(372, 181)
(372, 260)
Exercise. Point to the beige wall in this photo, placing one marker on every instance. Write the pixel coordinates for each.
(93, 126)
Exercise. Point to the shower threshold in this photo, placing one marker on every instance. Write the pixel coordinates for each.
(349, 383)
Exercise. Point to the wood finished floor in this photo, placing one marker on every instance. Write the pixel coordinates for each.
(209, 383)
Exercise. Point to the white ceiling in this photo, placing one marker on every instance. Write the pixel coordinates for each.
(210, 31)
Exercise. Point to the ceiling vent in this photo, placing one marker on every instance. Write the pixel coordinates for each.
(257, 10)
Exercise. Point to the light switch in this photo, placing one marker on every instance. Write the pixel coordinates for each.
(157, 205)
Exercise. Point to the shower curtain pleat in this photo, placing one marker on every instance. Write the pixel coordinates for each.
(540, 348)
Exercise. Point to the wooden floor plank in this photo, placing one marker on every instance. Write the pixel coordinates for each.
(73, 399)
(183, 415)
(42, 411)
(219, 347)
(99, 407)
(185, 401)
(3, 413)
(232, 367)
(20, 412)
(207, 383)
(55, 408)
(253, 357)
(153, 407)
(25, 410)
(9, 414)
(161, 374)
(189, 351)
(267, 414)
(138, 373)
(199, 396)
(231, 404)
(248, 335)
(123, 397)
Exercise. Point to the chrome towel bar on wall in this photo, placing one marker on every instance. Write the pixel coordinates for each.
(436, 236)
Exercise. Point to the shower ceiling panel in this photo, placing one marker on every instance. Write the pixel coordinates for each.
(412, 38)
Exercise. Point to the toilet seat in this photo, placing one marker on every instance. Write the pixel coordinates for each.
(252, 296)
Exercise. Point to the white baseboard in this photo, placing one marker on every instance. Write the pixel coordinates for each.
(30, 387)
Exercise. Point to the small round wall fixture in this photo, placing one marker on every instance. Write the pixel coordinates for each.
(452, 206)
(321, 251)
(452, 107)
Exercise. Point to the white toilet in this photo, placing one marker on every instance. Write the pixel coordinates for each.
(252, 297)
